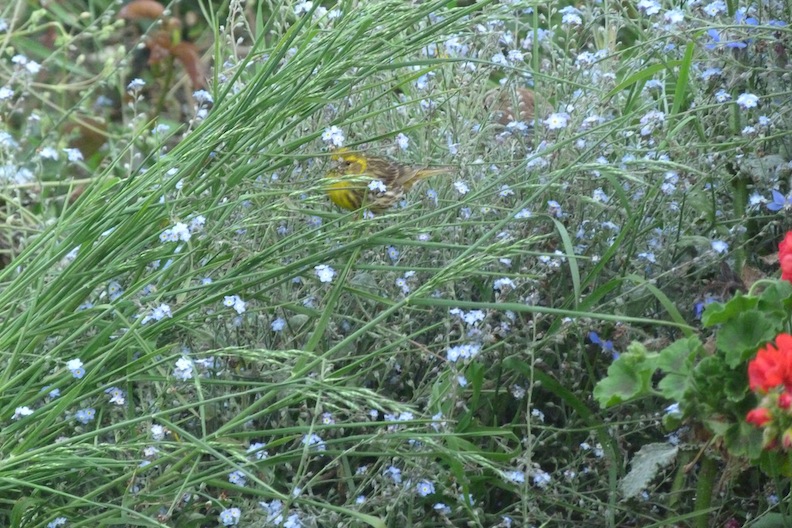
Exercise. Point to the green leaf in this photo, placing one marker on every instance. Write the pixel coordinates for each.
(743, 439)
(717, 313)
(676, 361)
(628, 377)
(718, 390)
(742, 336)
(775, 464)
(777, 296)
(769, 520)
(735, 388)
(643, 75)
(680, 91)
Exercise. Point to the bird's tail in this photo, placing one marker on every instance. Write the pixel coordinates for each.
(423, 174)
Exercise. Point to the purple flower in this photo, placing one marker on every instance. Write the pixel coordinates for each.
(780, 201)
(607, 346)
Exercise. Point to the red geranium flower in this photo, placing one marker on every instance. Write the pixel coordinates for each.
(785, 256)
(772, 366)
(758, 416)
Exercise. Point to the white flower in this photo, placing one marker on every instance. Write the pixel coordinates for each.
(524, 213)
(74, 364)
(315, 441)
(722, 96)
(650, 7)
(425, 488)
(257, 449)
(719, 246)
(116, 395)
(403, 141)
(180, 231)
(674, 16)
(334, 136)
(461, 187)
(466, 351)
(541, 479)
(136, 85)
(556, 121)
(302, 7)
(158, 432)
(48, 153)
(240, 306)
(324, 272)
(715, 8)
(161, 312)
(600, 196)
(377, 186)
(503, 284)
(183, 369)
(21, 412)
(571, 16)
(235, 302)
(74, 155)
(499, 59)
(473, 316)
(747, 100)
(197, 223)
(202, 97)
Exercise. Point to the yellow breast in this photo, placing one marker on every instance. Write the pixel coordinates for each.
(345, 194)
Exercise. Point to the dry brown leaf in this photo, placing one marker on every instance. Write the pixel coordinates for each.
(141, 10)
(750, 275)
(187, 53)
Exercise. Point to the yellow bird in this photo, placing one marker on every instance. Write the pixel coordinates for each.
(375, 183)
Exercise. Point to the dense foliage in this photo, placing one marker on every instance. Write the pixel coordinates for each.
(192, 334)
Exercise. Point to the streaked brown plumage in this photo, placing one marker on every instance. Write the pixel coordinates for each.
(517, 104)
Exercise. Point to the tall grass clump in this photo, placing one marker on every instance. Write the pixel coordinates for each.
(192, 335)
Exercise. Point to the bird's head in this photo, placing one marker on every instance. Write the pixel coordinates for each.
(348, 162)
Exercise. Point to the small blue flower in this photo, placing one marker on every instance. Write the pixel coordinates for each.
(747, 100)
(673, 409)
(230, 517)
(237, 478)
(394, 473)
(607, 346)
(425, 488)
(698, 308)
(780, 201)
(377, 186)
(75, 366)
(432, 195)
(85, 416)
(715, 35)
(719, 246)
(393, 253)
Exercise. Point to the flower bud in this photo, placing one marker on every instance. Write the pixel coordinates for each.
(770, 438)
(785, 400)
(786, 439)
(758, 417)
